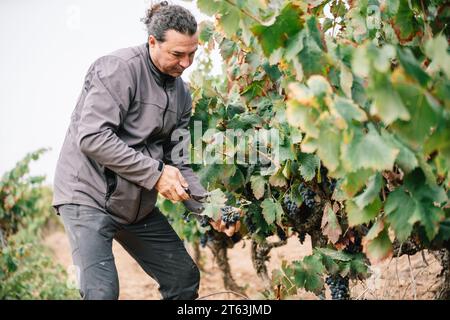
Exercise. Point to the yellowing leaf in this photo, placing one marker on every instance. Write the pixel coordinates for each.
(330, 224)
(369, 151)
(258, 184)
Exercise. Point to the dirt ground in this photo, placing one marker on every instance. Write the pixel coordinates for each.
(402, 278)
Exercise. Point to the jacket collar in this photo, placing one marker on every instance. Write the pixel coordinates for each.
(162, 79)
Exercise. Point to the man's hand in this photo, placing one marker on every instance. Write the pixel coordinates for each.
(171, 184)
(221, 226)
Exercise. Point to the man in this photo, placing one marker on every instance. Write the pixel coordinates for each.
(117, 156)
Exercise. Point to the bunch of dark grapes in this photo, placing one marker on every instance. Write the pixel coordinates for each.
(229, 215)
(307, 195)
(291, 207)
(204, 221)
(203, 240)
(339, 287)
(236, 237)
(206, 237)
(327, 182)
(301, 237)
(281, 234)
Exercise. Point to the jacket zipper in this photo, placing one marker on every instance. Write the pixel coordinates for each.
(167, 105)
(162, 128)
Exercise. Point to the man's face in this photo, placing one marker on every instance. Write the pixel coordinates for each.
(175, 54)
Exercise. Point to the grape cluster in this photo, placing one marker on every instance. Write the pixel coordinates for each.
(307, 195)
(229, 215)
(291, 207)
(204, 221)
(339, 287)
(281, 234)
(205, 237)
(327, 182)
(203, 240)
(236, 237)
(301, 237)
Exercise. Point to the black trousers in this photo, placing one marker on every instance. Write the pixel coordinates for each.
(152, 242)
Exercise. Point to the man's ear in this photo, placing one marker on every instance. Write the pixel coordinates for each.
(151, 41)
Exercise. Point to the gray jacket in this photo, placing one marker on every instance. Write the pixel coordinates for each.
(119, 137)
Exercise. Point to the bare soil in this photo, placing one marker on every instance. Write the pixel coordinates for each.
(415, 277)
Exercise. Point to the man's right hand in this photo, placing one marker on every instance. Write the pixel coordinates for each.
(171, 184)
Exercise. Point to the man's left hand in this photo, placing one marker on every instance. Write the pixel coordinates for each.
(221, 226)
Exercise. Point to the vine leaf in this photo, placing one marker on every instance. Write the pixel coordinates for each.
(285, 26)
(272, 211)
(330, 224)
(258, 184)
(376, 244)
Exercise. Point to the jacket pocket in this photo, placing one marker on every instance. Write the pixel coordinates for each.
(127, 201)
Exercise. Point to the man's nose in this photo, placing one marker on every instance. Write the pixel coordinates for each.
(185, 62)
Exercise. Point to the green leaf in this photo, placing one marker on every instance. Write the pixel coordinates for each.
(285, 277)
(302, 116)
(215, 201)
(227, 48)
(253, 90)
(334, 254)
(209, 7)
(430, 217)
(374, 185)
(258, 184)
(423, 118)
(437, 50)
(399, 209)
(271, 210)
(328, 146)
(286, 25)
(311, 58)
(309, 163)
(387, 104)
(412, 67)
(308, 273)
(357, 216)
(406, 158)
(206, 31)
(368, 151)
(236, 181)
(314, 31)
(354, 181)
(294, 45)
(404, 23)
(230, 17)
(319, 85)
(348, 110)
(273, 71)
(378, 248)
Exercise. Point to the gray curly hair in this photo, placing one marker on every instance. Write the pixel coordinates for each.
(163, 16)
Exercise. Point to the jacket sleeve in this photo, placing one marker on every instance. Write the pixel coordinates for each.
(176, 153)
(110, 91)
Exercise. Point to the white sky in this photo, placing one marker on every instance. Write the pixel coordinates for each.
(46, 49)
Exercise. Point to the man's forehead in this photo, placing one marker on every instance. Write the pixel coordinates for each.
(176, 41)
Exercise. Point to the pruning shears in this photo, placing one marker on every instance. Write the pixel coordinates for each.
(200, 198)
